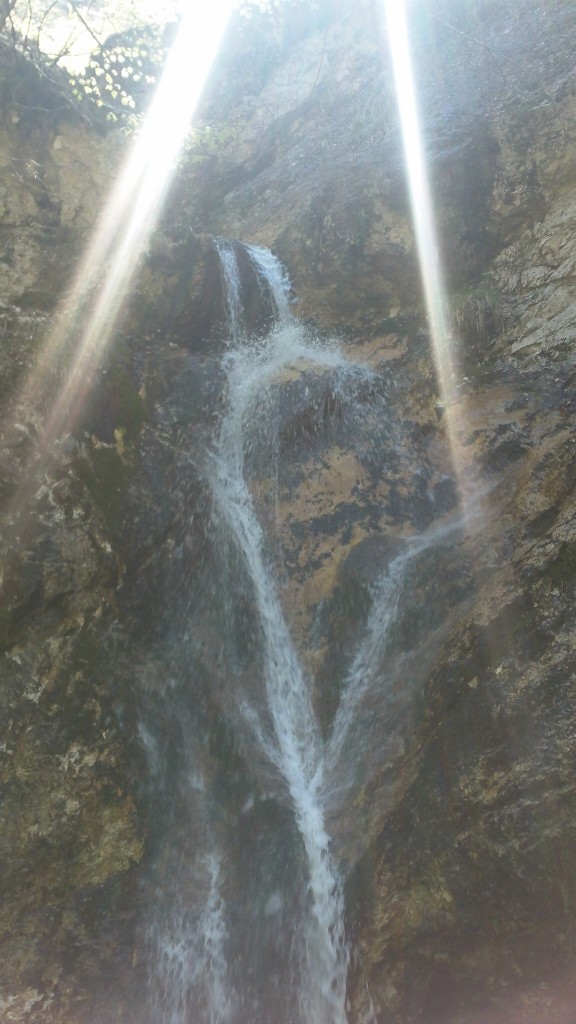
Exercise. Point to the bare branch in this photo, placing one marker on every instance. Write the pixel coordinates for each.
(497, 55)
(6, 8)
(85, 24)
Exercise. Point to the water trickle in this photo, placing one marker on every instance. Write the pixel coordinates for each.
(231, 289)
(190, 960)
(372, 648)
(213, 964)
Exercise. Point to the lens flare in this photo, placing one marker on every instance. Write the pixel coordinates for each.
(424, 225)
(110, 263)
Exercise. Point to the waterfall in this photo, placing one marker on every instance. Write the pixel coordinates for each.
(203, 970)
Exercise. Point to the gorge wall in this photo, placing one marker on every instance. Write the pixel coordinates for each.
(457, 848)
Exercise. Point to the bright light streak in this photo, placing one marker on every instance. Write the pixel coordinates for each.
(424, 226)
(110, 263)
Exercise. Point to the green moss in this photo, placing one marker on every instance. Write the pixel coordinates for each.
(483, 288)
(562, 570)
(403, 326)
(106, 475)
(6, 629)
(359, 227)
(128, 406)
(131, 410)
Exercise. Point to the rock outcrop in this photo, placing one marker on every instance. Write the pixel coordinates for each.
(459, 844)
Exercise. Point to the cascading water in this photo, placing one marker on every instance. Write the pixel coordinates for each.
(294, 746)
(206, 968)
(231, 289)
(272, 275)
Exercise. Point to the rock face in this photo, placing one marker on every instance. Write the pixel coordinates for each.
(458, 841)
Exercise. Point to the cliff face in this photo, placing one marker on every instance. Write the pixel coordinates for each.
(458, 846)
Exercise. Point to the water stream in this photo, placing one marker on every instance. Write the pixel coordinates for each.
(231, 289)
(295, 745)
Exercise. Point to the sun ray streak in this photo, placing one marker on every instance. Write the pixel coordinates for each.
(443, 345)
(110, 263)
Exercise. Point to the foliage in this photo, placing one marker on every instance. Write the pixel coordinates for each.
(122, 68)
(121, 73)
